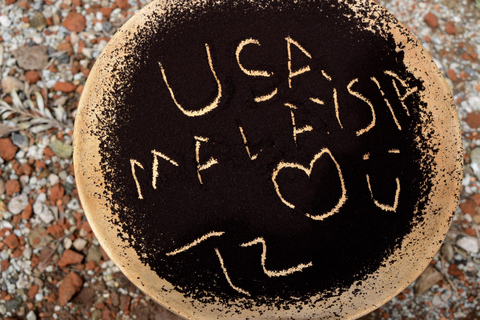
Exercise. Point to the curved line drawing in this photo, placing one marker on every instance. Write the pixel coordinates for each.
(267, 96)
(317, 101)
(227, 276)
(273, 273)
(196, 242)
(337, 111)
(252, 157)
(255, 73)
(308, 171)
(211, 106)
(383, 206)
(134, 162)
(364, 99)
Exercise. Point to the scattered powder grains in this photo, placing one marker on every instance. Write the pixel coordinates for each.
(276, 159)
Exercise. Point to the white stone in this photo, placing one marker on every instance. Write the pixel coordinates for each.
(3, 309)
(18, 203)
(79, 244)
(5, 21)
(39, 297)
(31, 315)
(67, 243)
(469, 244)
(53, 179)
(27, 253)
(73, 204)
(42, 210)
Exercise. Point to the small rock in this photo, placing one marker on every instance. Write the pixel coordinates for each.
(53, 179)
(75, 22)
(64, 86)
(18, 203)
(2, 187)
(31, 58)
(452, 75)
(450, 3)
(13, 304)
(12, 241)
(26, 169)
(469, 244)
(65, 46)
(436, 301)
(96, 314)
(79, 244)
(31, 315)
(94, 253)
(42, 210)
(450, 28)
(453, 270)
(122, 4)
(38, 21)
(475, 165)
(125, 302)
(70, 285)
(61, 149)
(69, 257)
(38, 237)
(107, 26)
(11, 83)
(67, 243)
(447, 251)
(19, 139)
(56, 193)
(74, 204)
(27, 212)
(55, 231)
(5, 21)
(32, 76)
(32, 291)
(7, 149)
(12, 187)
(431, 19)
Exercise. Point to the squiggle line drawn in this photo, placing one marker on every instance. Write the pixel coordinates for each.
(367, 101)
(212, 161)
(403, 83)
(211, 106)
(387, 102)
(252, 157)
(226, 274)
(266, 97)
(134, 163)
(308, 171)
(382, 206)
(255, 73)
(297, 131)
(274, 273)
(196, 242)
(292, 73)
(157, 154)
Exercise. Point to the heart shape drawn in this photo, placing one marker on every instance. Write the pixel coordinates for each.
(341, 201)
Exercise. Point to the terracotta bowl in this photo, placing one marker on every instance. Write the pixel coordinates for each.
(269, 160)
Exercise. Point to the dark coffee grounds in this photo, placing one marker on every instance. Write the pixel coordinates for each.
(265, 150)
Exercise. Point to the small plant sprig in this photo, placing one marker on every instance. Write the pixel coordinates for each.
(33, 117)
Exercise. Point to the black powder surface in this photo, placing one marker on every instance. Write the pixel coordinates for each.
(234, 229)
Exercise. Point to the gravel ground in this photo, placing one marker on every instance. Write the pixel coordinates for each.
(51, 264)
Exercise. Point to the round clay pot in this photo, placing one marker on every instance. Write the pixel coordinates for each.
(268, 160)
